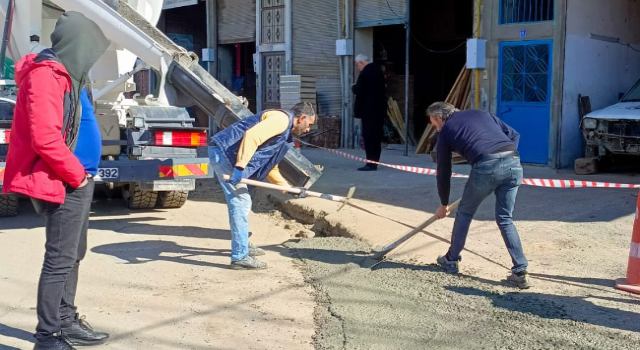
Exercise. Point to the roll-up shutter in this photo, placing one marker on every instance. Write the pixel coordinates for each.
(236, 21)
(372, 13)
(313, 49)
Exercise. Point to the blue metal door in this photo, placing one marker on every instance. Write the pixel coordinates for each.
(524, 95)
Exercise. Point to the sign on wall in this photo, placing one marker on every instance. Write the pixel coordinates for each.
(171, 4)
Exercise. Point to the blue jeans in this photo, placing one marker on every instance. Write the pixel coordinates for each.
(501, 176)
(238, 202)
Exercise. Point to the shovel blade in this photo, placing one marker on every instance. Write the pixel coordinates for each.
(352, 190)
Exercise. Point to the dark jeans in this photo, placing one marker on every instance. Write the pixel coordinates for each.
(372, 132)
(502, 177)
(66, 245)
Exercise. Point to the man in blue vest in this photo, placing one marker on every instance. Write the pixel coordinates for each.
(251, 149)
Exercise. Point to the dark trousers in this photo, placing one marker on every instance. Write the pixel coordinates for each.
(66, 245)
(372, 132)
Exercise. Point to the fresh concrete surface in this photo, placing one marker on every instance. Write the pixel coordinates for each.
(576, 240)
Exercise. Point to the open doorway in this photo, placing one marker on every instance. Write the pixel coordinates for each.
(187, 27)
(439, 30)
(236, 71)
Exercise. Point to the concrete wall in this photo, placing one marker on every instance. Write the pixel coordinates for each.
(363, 44)
(596, 68)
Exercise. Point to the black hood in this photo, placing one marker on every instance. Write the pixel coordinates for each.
(78, 42)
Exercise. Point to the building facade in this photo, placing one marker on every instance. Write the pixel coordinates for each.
(541, 54)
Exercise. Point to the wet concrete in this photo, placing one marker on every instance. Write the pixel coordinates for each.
(402, 306)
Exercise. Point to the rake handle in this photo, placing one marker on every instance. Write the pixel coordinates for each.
(386, 250)
(288, 189)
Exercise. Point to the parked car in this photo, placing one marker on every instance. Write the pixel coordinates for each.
(614, 130)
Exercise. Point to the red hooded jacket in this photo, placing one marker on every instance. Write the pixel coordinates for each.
(39, 163)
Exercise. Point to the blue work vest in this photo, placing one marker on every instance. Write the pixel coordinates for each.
(267, 156)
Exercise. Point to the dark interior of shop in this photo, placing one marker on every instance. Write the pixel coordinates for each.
(439, 30)
(235, 70)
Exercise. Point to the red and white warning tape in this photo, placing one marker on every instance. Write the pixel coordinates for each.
(554, 183)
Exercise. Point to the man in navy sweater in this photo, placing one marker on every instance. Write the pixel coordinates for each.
(490, 146)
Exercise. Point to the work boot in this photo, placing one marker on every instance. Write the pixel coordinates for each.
(248, 263)
(80, 333)
(520, 280)
(255, 251)
(450, 266)
(369, 167)
(56, 342)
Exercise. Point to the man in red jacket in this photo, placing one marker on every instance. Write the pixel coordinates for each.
(41, 164)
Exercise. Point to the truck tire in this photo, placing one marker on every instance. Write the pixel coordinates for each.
(135, 198)
(172, 199)
(8, 205)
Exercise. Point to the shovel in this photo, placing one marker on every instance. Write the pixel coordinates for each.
(295, 190)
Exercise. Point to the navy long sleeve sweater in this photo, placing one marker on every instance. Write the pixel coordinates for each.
(472, 134)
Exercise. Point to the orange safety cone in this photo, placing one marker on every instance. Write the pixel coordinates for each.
(632, 282)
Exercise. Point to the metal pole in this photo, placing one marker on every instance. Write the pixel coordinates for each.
(343, 77)
(5, 37)
(348, 66)
(406, 81)
(212, 35)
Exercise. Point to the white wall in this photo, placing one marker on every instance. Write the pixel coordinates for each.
(363, 44)
(595, 68)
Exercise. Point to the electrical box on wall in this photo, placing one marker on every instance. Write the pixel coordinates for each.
(208, 55)
(344, 47)
(476, 54)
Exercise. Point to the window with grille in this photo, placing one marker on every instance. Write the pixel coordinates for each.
(272, 21)
(526, 11)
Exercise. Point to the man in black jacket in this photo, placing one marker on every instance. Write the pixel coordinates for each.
(491, 147)
(370, 108)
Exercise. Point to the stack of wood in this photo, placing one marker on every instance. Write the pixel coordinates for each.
(460, 97)
(295, 89)
(393, 111)
(396, 90)
(327, 134)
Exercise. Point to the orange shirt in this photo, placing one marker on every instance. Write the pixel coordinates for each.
(273, 124)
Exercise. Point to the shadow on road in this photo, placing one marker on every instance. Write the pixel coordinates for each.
(150, 251)
(16, 333)
(590, 281)
(556, 307)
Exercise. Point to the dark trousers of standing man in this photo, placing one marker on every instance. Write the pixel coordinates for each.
(372, 132)
(66, 229)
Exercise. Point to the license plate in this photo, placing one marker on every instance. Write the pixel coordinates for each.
(107, 174)
(169, 185)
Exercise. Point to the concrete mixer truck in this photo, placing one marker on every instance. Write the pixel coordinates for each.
(152, 149)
